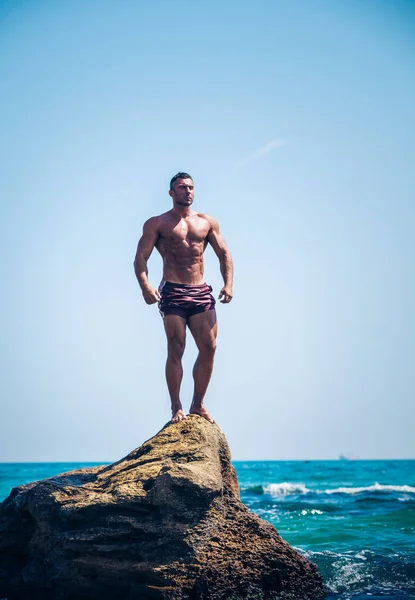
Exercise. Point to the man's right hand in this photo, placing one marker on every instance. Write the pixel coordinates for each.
(151, 295)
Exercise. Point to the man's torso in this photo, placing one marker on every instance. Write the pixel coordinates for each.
(181, 243)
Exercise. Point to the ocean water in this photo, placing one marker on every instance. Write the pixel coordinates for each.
(354, 519)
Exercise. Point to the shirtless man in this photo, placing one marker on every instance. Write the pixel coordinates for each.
(181, 236)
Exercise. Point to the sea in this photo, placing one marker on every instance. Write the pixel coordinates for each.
(354, 519)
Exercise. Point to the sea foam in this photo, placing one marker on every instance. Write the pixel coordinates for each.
(287, 488)
(376, 487)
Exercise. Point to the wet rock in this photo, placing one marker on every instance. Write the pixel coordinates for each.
(165, 522)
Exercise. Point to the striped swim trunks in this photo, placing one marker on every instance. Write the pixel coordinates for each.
(185, 300)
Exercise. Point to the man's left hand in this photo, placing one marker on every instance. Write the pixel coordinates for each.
(226, 295)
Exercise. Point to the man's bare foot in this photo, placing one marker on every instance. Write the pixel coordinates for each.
(201, 410)
(178, 416)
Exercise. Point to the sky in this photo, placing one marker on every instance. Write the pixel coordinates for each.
(296, 121)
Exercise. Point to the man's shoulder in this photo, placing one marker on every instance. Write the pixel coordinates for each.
(157, 219)
(206, 217)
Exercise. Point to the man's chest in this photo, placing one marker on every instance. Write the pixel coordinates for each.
(191, 229)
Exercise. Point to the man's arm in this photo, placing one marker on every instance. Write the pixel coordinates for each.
(217, 241)
(144, 249)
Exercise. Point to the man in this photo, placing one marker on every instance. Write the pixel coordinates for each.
(181, 236)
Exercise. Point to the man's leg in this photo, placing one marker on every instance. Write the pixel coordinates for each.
(175, 328)
(203, 327)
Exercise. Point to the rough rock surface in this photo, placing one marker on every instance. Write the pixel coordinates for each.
(165, 522)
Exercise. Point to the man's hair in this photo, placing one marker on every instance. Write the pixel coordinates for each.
(179, 175)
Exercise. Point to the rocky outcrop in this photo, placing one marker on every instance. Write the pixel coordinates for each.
(165, 522)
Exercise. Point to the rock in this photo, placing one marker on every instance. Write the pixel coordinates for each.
(165, 522)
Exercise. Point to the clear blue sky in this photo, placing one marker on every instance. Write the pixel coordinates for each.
(296, 120)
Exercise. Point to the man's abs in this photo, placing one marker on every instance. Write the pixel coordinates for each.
(188, 273)
(182, 261)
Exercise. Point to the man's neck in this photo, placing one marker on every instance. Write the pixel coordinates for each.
(182, 211)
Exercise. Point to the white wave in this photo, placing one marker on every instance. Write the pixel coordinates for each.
(377, 487)
(363, 554)
(348, 574)
(285, 488)
(313, 511)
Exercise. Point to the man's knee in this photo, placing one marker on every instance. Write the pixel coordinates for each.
(175, 347)
(208, 346)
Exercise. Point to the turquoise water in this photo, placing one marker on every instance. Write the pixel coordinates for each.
(354, 519)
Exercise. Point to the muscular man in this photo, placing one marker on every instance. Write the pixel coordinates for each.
(181, 236)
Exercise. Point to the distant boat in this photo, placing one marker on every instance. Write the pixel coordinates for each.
(345, 457)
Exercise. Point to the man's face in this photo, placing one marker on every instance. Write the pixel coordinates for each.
(182, 192)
